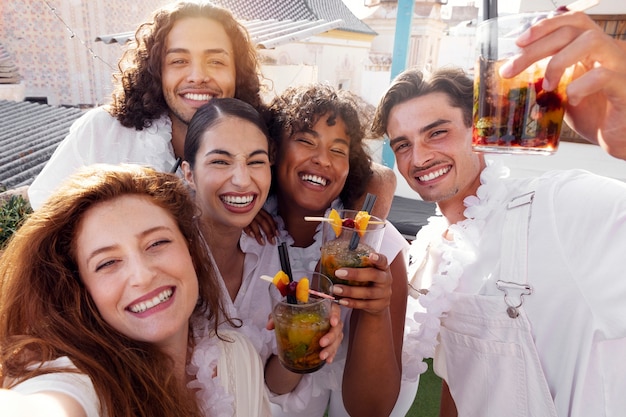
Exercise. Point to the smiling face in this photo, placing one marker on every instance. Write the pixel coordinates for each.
(231, 175)
(312, 166)
(432, 146)
(136, 266)
(198, 64)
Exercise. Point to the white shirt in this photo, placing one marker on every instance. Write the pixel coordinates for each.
(252, 304)
(316, 390)
(98, 137)
(577, 313)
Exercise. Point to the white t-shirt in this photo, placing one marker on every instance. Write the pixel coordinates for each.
(98, 137)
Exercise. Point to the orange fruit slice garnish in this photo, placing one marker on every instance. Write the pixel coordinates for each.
(302, 290)
(335, 221)
(281, 276)
(361, 220)
(281, 280)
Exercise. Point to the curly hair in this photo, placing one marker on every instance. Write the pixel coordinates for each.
(138, 98)
(47, 313)
(412, 83)
(298, 109)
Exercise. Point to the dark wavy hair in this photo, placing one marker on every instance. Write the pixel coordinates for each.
(412, 83)
(46, 311)
(297, 109)
(138, 97)
(210, 114)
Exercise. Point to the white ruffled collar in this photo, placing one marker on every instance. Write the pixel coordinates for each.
(455, 255)
(212, 397)
(303, 259)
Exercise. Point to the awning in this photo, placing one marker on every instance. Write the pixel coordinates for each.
(265, 34)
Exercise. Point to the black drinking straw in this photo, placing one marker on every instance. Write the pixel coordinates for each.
(368, 204)
(488, 55)
(176, 165)
(286, 267)
(490, 9)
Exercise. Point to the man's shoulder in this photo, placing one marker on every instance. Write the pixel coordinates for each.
(579, 179)
(100, 120)
(99, 112)
(575, 187)
(97, 117)
(550, 179)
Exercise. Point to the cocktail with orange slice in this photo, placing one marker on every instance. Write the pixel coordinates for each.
(299, 326)
(348, 238)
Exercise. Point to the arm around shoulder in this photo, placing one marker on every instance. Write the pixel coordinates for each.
(383, 185)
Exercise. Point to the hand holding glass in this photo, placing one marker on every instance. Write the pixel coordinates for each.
(514, 115)
(299, 327)
(336, 248)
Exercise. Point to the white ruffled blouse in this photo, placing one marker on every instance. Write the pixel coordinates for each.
(229, 378)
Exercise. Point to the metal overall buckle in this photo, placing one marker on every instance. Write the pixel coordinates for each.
(513, 295)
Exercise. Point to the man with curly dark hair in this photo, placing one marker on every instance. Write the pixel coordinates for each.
(186, 54)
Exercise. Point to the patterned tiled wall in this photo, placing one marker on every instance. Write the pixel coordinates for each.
(54, 64)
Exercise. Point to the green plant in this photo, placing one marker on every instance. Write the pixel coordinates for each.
(428, 396)
(13, 212)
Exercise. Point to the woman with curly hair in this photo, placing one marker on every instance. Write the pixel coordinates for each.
(186, 54)
(321, 163)
(109, 307)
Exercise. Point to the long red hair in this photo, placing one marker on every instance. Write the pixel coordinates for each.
(46, 312)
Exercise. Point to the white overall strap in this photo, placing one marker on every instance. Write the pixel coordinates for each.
(514, 253)
(514, 283)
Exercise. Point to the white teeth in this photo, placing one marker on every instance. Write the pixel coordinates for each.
(434, 174)
(197, 97)
(314, 179)
(238, 200)
(145, 305)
